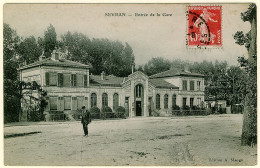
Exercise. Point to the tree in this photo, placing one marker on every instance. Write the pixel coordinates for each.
(11, 102)
(33, 98)
(249, 130)
(77, 46)
(157, 65)
(28, 50)
(49, 41)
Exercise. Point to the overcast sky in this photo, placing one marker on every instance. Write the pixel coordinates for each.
(148, 36)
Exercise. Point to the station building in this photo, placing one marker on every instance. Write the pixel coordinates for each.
(70, 85)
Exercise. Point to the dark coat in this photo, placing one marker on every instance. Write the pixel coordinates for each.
(86, 118)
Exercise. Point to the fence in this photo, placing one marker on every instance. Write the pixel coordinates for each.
(102, 115)
(57, 116)
(108, 115)
(189, 112)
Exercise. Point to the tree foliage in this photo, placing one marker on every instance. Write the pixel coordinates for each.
(156, 65)
(33, 98)
(29, 50)
(11, 101)
(49, 42)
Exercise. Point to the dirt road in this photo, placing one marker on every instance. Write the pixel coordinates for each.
(207, 140)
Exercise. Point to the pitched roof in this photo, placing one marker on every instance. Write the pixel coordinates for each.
(60, 63)
(175, 72)
(110, 80)
(161, 83)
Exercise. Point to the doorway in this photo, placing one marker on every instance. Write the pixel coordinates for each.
(138, 105)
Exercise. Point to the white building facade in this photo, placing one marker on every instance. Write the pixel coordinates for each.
(70, 86)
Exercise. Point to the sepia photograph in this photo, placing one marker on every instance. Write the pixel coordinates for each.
(130, 84)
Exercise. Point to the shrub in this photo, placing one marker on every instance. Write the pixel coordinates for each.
(120, 112)
(106, 112)
(95, 112)
(222, 110)
(208, 111)
(156, 112)
(186, 110)
(176, 110)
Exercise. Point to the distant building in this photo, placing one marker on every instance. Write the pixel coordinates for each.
(212, 102)
(70, 86)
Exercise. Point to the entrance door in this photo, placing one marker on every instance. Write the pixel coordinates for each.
(138, 108)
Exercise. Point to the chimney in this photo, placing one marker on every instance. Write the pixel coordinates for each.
(55, 55)
(132, 68)
(42, 57)
(102, 75)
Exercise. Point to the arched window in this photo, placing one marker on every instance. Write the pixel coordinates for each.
(138, 90)
(174, 100)
(93, 100)
(104, 99)
(165, 101)
(115, 101)
(158, 101)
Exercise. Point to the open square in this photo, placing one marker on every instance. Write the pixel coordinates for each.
(154, 141)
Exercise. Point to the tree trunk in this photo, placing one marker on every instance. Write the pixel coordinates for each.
(249, 130)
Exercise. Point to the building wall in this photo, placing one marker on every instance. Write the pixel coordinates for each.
(32, 74)
(110, 92)
(82, 95)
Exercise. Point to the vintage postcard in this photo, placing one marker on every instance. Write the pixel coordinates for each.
(130, 84)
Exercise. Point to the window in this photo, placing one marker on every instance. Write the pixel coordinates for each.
(191, 85)
(60, 79)
(52, 79)
(66, 80)
(67, 104)
(53, 103)
(174, 100)
(115, 101)
(93, 100)
(165, 101)
(80, 102)
(85, 81)
(79, 80)
(74, 103)
(191, 102)
(138, 90)
(198, 85)
(184, 101)
(184, 85)
(47, 79)
(73, 80)
(104, 100)
(158, 101)
(60, 103)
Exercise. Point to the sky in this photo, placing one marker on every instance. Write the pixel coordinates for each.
(149, 36)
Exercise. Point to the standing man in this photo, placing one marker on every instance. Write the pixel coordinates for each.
(85, 120)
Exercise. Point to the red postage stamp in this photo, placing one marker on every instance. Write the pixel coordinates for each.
(204, 26)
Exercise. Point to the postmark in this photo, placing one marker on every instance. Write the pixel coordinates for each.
(204, 28)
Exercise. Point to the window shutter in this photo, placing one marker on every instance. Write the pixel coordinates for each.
(60, 80)
(85, 81)
(71, 79)
(47, 78)
(75, 80)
